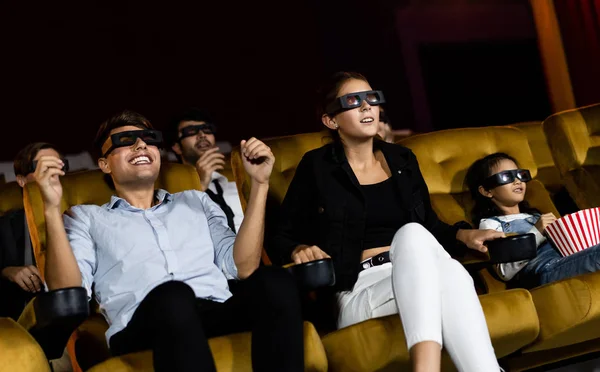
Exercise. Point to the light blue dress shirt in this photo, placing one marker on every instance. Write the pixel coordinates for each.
(127, 251)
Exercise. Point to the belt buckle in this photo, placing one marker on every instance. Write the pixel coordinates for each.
(368, 263)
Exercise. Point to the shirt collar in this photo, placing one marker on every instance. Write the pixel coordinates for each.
(160, 194)
(218, 176)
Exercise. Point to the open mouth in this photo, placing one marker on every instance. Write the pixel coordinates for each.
(203, 145)
(367, 120)
(140, 160)
(518, 190)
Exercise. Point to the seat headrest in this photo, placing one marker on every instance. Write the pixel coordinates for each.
(11, 197)
(581, 126)
(445, 156)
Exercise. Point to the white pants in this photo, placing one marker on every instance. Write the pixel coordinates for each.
(433, 294)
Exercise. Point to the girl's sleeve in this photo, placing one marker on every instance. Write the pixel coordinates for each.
(506, 271)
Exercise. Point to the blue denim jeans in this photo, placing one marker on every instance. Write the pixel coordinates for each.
(549, 266)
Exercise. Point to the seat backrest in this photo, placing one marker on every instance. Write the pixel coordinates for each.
(445, 156)
(11, 197)
(90, 187)
(548, 173)
(574, 137)
(288, 151)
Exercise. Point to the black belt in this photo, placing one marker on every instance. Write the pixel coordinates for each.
(377, 260)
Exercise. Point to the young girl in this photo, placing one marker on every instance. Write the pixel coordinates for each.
(498, 188)
(364, 203)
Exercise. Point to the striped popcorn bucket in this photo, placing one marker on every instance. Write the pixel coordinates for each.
(575, 232)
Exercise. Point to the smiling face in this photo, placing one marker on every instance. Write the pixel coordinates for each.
(130, 166)
(508, 195)
(191, 148)
(361, 122)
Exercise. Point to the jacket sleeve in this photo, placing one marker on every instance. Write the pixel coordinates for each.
(443, 232)
(297, 216)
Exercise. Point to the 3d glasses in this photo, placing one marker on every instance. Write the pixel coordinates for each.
(193, 130)
(354, 100)
(65, 167)
(506, 177)
(129, 138)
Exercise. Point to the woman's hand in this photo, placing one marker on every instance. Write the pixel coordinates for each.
(306, 253)
(475, 239)
(26, 277)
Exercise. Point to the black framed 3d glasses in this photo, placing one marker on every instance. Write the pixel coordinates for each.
(192, 130)
(506, 177)
(354, 100)
(65, 167)
(129, 138)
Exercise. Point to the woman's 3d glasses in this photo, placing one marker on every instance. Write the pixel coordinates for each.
(129, 138)
(506, 177)
(65, 167)
(354, 100)
(192, 130)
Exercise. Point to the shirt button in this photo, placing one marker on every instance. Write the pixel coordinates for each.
(321, 210)
(399, 172)
(366, 265)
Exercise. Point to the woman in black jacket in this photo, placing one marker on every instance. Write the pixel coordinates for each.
(364, 203)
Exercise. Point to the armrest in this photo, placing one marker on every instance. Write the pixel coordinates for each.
(18, 350)
(314, 274)
(512, 248)
(52, 316)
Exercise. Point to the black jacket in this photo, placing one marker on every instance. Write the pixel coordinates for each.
(12, 253)
(324, 206)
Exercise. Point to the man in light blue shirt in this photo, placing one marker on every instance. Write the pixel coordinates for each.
(160, 262)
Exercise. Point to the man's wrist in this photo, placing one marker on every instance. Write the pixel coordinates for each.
(52, 212)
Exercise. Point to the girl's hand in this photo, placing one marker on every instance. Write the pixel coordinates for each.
(545, 220)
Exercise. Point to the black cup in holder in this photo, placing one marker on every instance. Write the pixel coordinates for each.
(314, 274)
(512, 248)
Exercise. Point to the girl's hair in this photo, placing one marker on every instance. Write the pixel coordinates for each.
(480, 170)
(328, 92)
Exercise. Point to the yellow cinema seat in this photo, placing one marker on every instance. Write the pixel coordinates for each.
(574, 140)
(11, 197)
(547, 172)
(18, 349)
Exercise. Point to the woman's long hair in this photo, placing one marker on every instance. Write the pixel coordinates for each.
(480, 170)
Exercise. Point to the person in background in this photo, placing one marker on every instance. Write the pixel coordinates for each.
(20, 279)
(193, 140)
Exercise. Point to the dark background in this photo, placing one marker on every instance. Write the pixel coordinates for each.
(69, 65)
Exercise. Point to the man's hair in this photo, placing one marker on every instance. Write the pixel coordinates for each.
(24, 159)
(123, 119)
(189, 114)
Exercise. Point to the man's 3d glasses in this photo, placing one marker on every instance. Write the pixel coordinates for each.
(192, 130)
(129, 138)
(506, 177)
(65, 167)
(354, 100)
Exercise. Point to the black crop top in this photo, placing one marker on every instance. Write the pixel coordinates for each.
(383, 214)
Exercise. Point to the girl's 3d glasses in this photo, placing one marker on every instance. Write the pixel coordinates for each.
(192, 130)
(354, 100)
(129, 138)
(506, 177)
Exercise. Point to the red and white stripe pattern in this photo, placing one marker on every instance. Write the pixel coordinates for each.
(575, 232)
